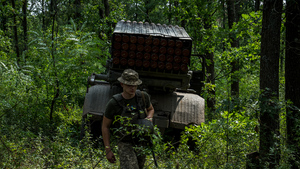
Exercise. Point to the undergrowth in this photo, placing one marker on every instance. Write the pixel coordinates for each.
(217, 145)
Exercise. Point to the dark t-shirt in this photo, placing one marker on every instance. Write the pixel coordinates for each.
(113, 108)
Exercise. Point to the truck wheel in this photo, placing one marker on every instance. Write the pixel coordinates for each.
(83, 128)
(96, 130)
(172, 135)
(192, 142)
(92, 125)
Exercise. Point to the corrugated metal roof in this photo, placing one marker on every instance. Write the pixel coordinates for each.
(163, 30)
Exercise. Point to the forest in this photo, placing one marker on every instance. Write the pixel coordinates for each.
(250, 50)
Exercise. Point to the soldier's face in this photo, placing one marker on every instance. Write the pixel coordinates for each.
(129, 89)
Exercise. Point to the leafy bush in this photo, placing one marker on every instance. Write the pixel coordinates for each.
(222, 143)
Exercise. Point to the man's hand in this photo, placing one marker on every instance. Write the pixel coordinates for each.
(150, 113)
(106, 135)
(110, 157)
(149, 118)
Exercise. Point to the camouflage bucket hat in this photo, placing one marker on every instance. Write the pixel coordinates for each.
(130, 77)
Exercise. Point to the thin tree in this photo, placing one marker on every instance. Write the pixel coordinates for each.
(101, 11)
(233, 16)
(148, 7)
(53, 10)
(170, 11)
(292, 74)
(24, 24)
(43, 15)
(176, 3)
(269, 82)
(77, 15)
(257, 5)
(16, 31)
(210, 65)
(107, 12)
(106, 7)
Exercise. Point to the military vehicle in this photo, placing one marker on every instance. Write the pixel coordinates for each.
(161, 54)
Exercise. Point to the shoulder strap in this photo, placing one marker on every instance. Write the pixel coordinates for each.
(118, 98)
(139, 96)
(141, 103)
(138, 93)
(143, 96)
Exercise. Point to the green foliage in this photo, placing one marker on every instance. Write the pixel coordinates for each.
(26, 149)
(69, 59)
(54, 70)
(222, 143)
(143, 135)
(248, 32)
(18, 95)
(137, 10)
(5, 46)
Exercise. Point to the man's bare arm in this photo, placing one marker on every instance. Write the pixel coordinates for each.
(106, 123)
(150, 112)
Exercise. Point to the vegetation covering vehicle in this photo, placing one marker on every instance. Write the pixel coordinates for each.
(161, 55)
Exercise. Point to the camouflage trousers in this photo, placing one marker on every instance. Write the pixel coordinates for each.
(129, 157)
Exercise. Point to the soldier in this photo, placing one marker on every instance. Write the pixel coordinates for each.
(129, 157)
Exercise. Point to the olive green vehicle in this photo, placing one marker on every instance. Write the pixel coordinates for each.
(161, 55)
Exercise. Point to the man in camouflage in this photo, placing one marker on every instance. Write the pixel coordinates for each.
(130, 158)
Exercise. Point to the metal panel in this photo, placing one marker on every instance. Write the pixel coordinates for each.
(181, 109)
(189, 110)
(151, 29)
(184, 108)
(97, 98)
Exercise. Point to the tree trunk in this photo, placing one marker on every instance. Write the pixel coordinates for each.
(183, 23)
(257, 5)
(106, 7)
(148, 10)
(24, 23)
(210, 78)
(292, 74)
(77, 4)
(101, 11)
(210, 65)
(223, 21)
(56, 87)
(170, 12)
(136, 13)
(16, 32)
(233, 16)
(269, 82)
(43, 15)
(176, 6)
